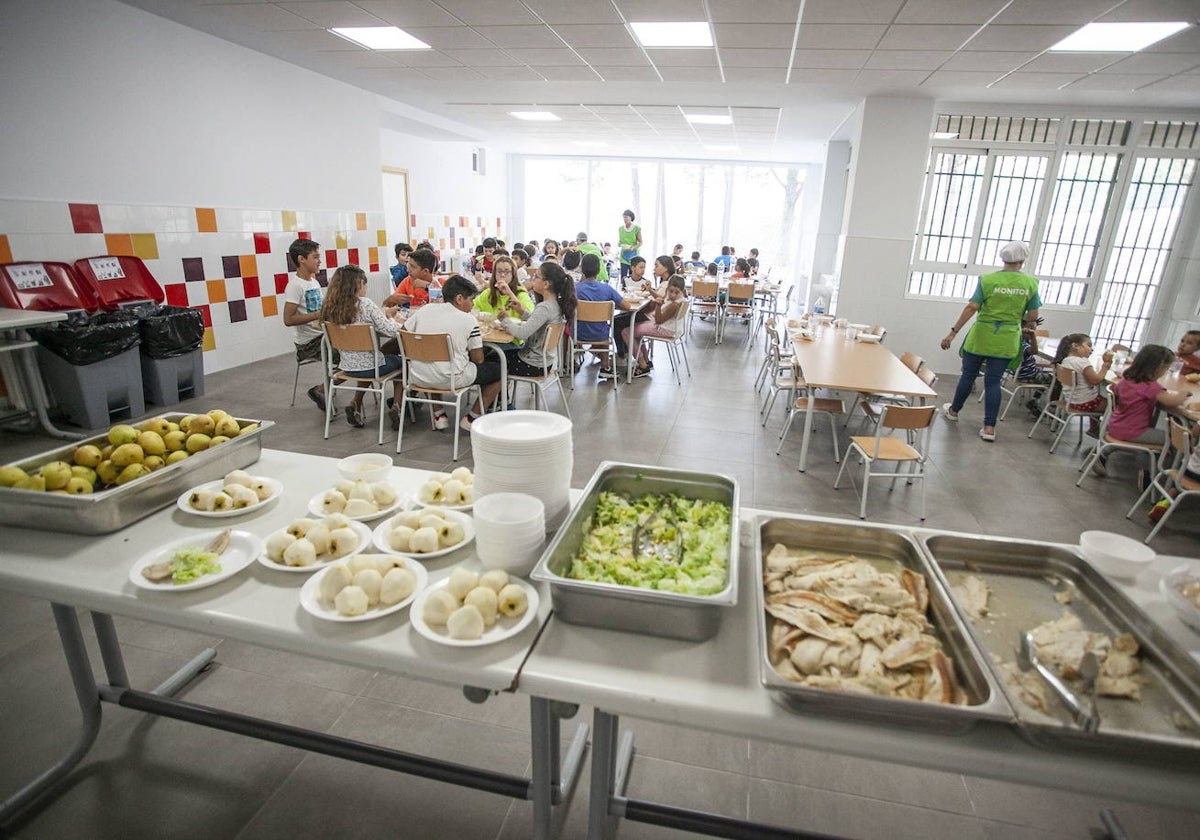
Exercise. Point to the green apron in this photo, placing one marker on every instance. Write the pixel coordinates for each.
(997, 328)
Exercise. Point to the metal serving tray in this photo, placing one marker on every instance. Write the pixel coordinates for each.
(113, 509)
(689, 617)
(1023, 578)
(888, 549)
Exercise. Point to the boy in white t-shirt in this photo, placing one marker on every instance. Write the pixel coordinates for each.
(302, 308)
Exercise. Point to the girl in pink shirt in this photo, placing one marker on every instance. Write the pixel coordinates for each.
(1138, 397)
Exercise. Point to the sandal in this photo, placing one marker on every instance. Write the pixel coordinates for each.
(354, 416)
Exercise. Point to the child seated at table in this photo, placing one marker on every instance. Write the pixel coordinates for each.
(666, 320)
(1085, 396)
(1188, 352)
(1138, 397)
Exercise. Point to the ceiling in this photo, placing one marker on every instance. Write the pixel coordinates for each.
(789, 72)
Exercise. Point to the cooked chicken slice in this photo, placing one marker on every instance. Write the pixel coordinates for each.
(781, 639)
(972, 594)
(908, 651)
(838, 683)
(1065, 597)
(807, 653)
(1028, 686)
(807, 620)
(823, 605)
(941, 687)
(778, 559)
(1062, 643)
(916, 586)
(1122, 658)
(1129, 687)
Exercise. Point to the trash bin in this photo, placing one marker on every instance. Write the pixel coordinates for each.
(171, 356)
(90, 367)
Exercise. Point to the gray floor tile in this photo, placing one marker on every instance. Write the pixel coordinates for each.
(510, 711)
(22, 620)
(303, 669)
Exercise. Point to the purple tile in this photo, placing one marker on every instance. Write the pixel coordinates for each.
(193, 269)
(323, 278)
(232, 266)
(237, 311)
(291, 262)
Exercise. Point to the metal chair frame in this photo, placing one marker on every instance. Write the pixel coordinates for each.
(354, 338)
(554, 335)
(881, 447)
(430, 347)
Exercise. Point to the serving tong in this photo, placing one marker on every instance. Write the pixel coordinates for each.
(1083, 710)
(645, 545)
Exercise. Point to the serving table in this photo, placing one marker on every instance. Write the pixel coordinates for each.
(831, 360)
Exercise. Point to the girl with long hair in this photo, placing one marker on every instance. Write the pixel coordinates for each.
(556, 290)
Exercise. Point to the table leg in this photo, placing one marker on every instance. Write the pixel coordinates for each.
(32, 386)
(551, 781)
(808, 421)
(610, 771)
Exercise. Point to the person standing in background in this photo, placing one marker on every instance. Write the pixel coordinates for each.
(302, 298)
(629, 241)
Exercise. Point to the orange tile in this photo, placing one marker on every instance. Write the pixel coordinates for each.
(206, 220)
(445, 221)
(289, 220)
(360, 221)
(5, 249)
(270, 307)
(381, 237)
(216, 291)
(248, 265)
(119, 244)
(210, 340)
(145, 245)
(373, 256)
(340, 239)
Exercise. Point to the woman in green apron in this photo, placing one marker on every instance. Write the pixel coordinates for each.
(1001, 300)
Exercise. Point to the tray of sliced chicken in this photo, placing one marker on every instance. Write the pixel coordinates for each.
(1097, 672)
(853, 624)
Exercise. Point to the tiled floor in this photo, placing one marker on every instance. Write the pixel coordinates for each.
(150, 777)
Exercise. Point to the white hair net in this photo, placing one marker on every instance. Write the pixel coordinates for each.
(1014, 252)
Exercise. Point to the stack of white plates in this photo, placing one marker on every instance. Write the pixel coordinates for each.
(511, 530)
(525, 452)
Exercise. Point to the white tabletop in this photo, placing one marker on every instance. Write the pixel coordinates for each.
(17, 319)
(257, 605)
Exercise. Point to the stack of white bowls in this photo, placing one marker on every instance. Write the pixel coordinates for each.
(510, 531)
(525, 452)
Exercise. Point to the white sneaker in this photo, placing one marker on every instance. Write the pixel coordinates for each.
(441, 422)
(465, 423)
(953, 418)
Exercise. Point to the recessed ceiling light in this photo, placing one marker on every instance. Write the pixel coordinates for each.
(535, 116)
(945, 135)
(591, 144)
(709, 119)
(380, 37)
(1117, 37)
(721, 148)
(673, 33)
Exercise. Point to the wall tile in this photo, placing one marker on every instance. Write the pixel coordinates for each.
(216, 291)
(360, 221)
(193, 269)
(5, 252)
(381, 238)
(86, 218)
(262, 243)
(231, 266)
(247, 266)
(269, 306)
(250, 287)
(289, 220)
(237, 311)
(120, 244)
(145, 246)
(233, 288)
(206, 220)
(209, 342)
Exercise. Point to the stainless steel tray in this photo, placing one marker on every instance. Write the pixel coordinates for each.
(689, 617)
(113, 509)
(1023, 578)
(888, 549)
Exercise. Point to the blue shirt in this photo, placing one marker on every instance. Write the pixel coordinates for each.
(399, 272)
(594, 290)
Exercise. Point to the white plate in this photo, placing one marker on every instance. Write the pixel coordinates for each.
(504, 628)
(182, 501)
(364, 540)
(243, 548)
(417, 501)
(316, 607)
(379, 537)
(314, 507)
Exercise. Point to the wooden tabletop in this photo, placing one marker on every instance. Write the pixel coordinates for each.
(832, 361)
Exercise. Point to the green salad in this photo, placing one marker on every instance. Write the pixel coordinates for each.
(693, 534)
(191, 563)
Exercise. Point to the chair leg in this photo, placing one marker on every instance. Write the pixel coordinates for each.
(1161, 522)
(919, 468)
(862, 508)
(786, 427)
(295, 384)
(1061, 429)
(686, 363)
(838, 478)
(833, 431)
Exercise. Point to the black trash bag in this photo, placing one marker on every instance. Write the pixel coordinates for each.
(170, 331)
(86, 339)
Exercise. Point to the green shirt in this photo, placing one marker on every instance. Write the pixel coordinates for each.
(627, 242)
(1003, 298)
(589, 248)
(482, 303)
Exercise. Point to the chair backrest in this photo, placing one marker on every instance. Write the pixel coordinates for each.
(925, 374)
(353, 337)
(741, 291)
(1065, 376)
(911, 360)
(703, 289)
(1181, 440)
(554, 334)
(427, 347)
(1042, 333)
(907, 416)
(593, 312)
(879, 331)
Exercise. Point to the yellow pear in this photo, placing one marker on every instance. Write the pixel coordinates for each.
(174, 441)
(177, 455)
(107, 472)
(249, 427)
(88, 455)
(128, 453)
(185, 422)
(172, 426)
(156, 424)
(86, 473)
(78, 486)
(198, 442)
(217, 414)
(201, 424)
(227, 426)
(216, 439)
(152, 443)
(106, 451)
(11, 475)
(56, 474)
(33, 482)
(131, 472)
(122, 433)
(154, 462)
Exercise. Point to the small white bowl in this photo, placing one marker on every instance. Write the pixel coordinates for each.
(868, 338)
(1114, 554)
(1169, 585)
(367, 466)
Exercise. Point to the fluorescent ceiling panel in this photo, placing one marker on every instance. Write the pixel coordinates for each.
(535, 116)
(709, 119)
(380, 37)
(1117, 37)
(673, 33)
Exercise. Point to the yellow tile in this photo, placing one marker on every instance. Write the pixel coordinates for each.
(206, 220)
(248, 265)
(145, 245)
(270, 307)
(289, 220)
(429, 232)
(6, 250)
(340, 239)
(372, 256)
(360, 221)
(381, 237)
(216, 291)
(118, 244)
(210, 340)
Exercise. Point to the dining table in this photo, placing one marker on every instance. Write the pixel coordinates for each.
(837, 360)
(26, 380)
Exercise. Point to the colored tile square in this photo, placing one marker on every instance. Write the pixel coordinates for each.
(373, 256)
(177, 294)
(452, 234)
(331, 259)
(289, 221)
(237, 311)
(291, 263)
(462, 221)
(247, 266)
(145, 246)
(412, 220)
(360, 221)
(118, 244)
(381, 237)
(193, 269)
(5, 249)
(231, 266)
(304, 234)
(210, 341)
(445, 221)
(323, 278)
(205, 314)
(340, 240)
(497, 224)
(270, 306)
(262, 243)
(250, 287)
(352, 256)
(216, 291)
(206, 220)
(281, 281)
(85, 218)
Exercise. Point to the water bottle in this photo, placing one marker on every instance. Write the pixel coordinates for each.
(435, 292)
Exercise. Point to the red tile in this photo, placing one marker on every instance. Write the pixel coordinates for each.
(331, 259)
(205, 315)
(262, 243)
(352, 256)
(177, 294)
(412, 220)
(374, 267)
(281, 281)
(86, 218)
(304, 235)
(250, 287)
